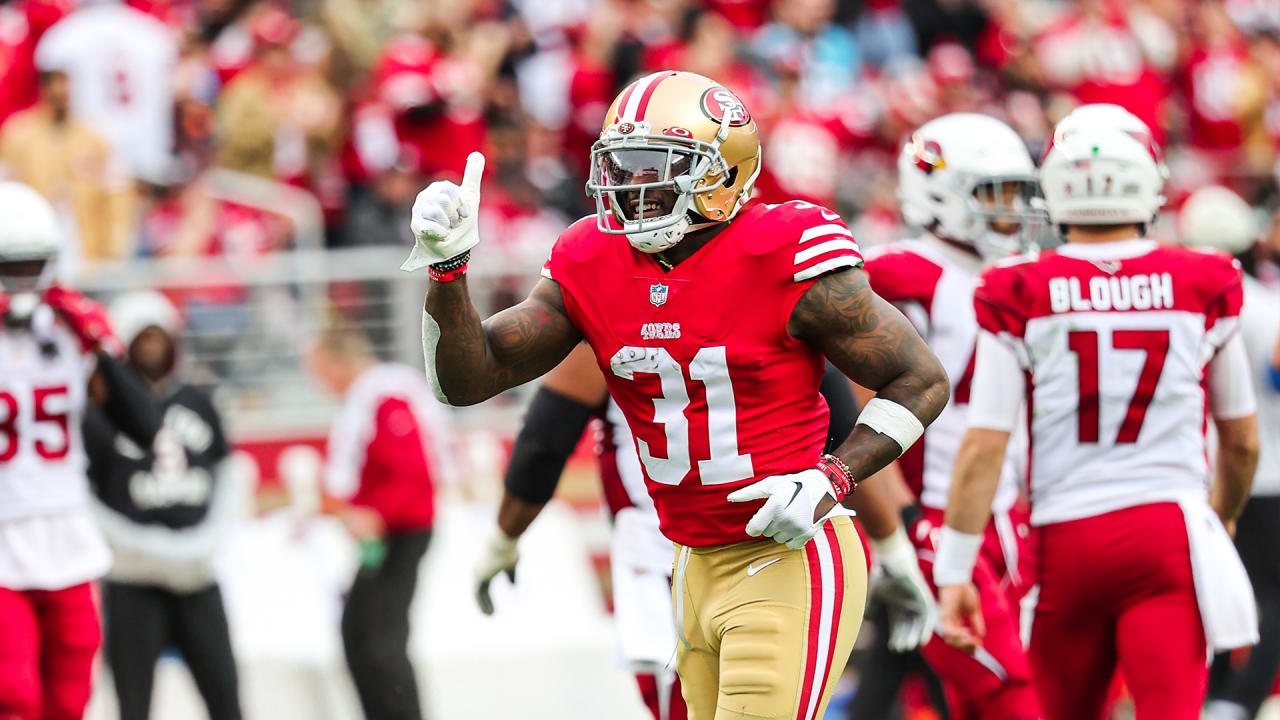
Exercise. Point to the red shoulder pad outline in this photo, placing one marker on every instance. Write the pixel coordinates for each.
(577, 243)
(900, 275)
(1001, 290)
(821, 242)
(1223, 279)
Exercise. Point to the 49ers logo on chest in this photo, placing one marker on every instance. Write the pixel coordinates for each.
(719, 102)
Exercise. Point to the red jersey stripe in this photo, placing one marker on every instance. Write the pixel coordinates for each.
(815, 620)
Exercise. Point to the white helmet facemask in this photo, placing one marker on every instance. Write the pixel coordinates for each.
(1006, 216)
(633, 171)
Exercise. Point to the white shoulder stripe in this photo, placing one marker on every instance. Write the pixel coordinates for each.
(546, 273)
(823, 230)
(817, 269)
(826, 247)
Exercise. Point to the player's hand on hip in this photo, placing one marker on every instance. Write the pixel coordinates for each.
(499, 555)
(444, 217)
(913, 614)
(960, 616)
(790, 505)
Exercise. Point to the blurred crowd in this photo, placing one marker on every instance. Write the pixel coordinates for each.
(118, 111)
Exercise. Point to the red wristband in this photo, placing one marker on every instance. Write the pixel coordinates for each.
(842, 481)
(444, 276)
(451, 269)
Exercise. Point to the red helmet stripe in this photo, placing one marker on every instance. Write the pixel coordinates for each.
(648, 93)
(622, 102)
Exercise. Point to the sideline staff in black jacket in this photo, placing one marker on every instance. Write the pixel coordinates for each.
(163, 509)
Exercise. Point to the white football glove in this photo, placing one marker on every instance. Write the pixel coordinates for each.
(443, 219)
(913, 612)
(499, 555)
(790, 501)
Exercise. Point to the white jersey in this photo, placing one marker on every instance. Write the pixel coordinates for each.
(120, 65)
(933, 284)
(47, 538)
(1114, 340)
(1260, 328)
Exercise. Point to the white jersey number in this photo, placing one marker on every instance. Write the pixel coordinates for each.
(711, 368)
(50, 405)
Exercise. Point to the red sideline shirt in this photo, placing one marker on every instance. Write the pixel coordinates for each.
(385, 447)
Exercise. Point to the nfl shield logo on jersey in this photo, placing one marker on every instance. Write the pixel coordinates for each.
(658, 294)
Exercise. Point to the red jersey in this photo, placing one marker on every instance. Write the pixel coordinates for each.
(716, 392)
(21, 25)
(1216, 79)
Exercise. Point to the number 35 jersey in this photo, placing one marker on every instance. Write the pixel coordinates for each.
(43, 391)
(716, 392)
(1115, 339)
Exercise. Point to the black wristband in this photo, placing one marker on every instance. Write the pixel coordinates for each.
(552, 427)
(452, 263)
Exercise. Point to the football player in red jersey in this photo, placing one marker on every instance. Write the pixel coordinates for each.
(710, 320)
(56, 355)
(640, 559)
(969, 182)
(1126, 348)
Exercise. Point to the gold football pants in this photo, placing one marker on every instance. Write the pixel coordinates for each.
(764, 631)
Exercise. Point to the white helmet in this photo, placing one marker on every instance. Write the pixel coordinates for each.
(949, 162)
(1109, 116)
(1216, 217)
(28, 232)
(1100, 176)
(136, 311)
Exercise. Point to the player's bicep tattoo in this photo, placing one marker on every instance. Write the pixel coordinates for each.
(871, 342)
(529, 339)
(469, 361)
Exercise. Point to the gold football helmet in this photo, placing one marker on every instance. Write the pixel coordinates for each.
(678, 152)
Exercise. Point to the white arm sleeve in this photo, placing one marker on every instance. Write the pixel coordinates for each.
(997, 391)
(1231, 382)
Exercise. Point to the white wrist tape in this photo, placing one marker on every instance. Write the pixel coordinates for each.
(895, 553)
(889, 418)
(955, 557)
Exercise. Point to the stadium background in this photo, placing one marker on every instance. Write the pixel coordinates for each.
(256, 162)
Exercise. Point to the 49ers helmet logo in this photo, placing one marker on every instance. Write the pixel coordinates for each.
(717, 102)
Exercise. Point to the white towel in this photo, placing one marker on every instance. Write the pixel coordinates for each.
(1223, 591)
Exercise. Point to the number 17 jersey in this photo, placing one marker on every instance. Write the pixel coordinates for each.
(715, 390)
(1114, 339)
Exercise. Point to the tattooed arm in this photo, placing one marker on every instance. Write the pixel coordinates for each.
(469, 361)
(873, 344)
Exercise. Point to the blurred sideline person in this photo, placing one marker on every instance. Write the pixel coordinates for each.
(75, 169)
(56, 355)
(164, 510)
(120, 62)
(570, 395)
(384, 459)
(969, 182)
(1126, 346)
(1215, 217)
(714, 318)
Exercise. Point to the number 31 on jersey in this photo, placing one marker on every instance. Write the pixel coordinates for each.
(711, 368)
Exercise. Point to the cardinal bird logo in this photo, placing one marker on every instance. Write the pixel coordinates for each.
(658, 294)
(929, 156)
